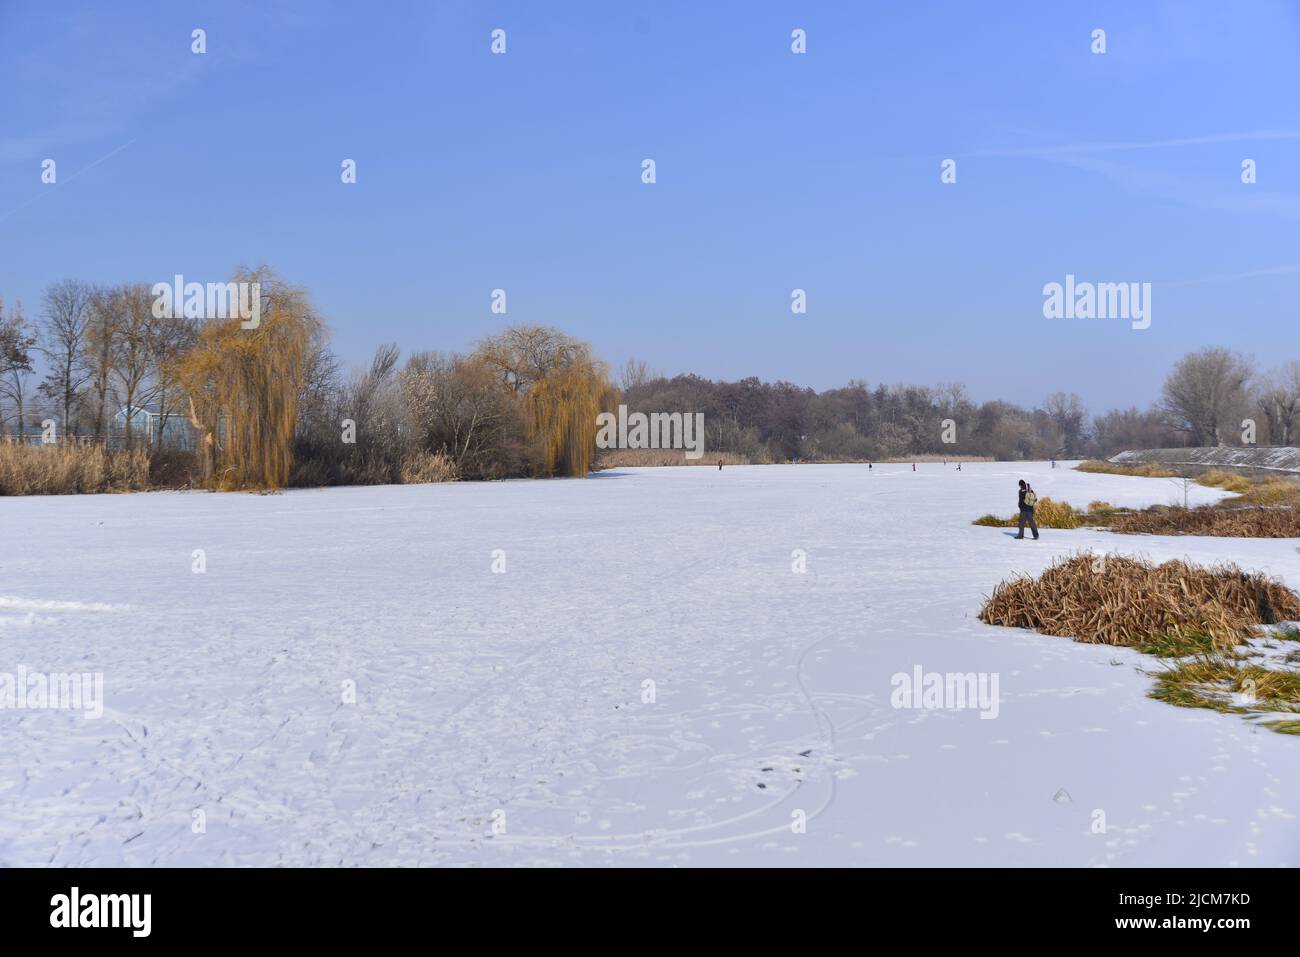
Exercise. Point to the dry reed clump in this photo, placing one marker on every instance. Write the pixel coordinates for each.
(1116, 600)
(1218, 521)
(637, 458)
(68, 469)
(1270, 492)
(420, 468)
(1141, 471)
(1229, 481)
(1048, 514)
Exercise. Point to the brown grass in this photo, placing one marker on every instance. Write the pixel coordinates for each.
(636, 458)
(421, 468)
(1202, 618)
(67, 469)
(1263, 508)
(1116, 600)
(1048, 514)
(1212, 520)
(1229, 481)
(1110, 468)
(1271, 491)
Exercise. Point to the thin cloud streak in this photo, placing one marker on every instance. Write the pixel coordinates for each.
(1259, 136)
(57, 183)
(1235, 276)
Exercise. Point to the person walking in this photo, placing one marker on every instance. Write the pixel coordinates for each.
(1028, 499)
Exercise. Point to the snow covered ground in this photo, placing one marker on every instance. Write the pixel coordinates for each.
(499, 718)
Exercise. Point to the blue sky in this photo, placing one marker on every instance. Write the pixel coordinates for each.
(775, 171)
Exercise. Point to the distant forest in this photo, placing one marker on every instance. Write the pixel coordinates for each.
(1211, 397)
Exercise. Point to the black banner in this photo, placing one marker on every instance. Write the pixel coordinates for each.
(334, 907)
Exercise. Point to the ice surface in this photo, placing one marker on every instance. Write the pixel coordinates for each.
(522, 692)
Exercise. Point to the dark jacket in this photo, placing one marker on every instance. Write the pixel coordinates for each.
(1023, 506)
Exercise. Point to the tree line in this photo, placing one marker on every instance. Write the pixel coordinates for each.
(272, 406)
(1211, 397)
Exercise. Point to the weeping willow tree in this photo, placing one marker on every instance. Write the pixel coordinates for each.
(243, 382)
(562, 387)
(562, 410)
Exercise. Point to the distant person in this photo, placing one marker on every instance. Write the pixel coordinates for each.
(1028, 499)
(958, 466)
(868, 466)
(719, 465)
(913, 466)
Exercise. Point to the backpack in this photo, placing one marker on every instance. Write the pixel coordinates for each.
(1031, 498)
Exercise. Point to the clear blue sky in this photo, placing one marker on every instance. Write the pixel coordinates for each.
(775, 171)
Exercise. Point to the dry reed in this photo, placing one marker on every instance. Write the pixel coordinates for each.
(1116, 600)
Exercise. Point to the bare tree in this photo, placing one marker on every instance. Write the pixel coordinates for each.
(1205, 392)
(318, 405)
(1278, 395)
(169, 338)
(458, 407)
(521, 355)
(1122, 429)
(67, 315)
(1068, 415)
(371, 400)
(16, 344)
(634, 373)
(98, 348)
(133, 351)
